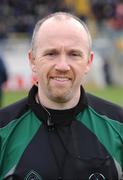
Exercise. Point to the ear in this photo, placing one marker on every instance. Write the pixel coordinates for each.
(89, 62)
(33, 67)
(32, 61)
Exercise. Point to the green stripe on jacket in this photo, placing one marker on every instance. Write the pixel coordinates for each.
(108, 131)
(14, 138)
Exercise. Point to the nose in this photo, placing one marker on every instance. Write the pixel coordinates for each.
(62, 64)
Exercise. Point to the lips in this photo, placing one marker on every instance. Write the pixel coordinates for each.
(62, 79)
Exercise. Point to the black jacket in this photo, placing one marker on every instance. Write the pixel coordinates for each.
(82, 143)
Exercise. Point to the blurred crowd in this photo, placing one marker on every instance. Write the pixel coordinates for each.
(20, 16)
(104, 19)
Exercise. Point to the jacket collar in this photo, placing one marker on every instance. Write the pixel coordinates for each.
(56, 117)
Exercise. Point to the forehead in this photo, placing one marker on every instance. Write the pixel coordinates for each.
(63, 21)
(64, 28)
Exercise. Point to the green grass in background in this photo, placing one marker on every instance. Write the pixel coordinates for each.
(113, 94)
(13, 96)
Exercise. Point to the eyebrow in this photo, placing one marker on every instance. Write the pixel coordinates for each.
(76, 50)
(55, 49)
(72, 50)
(50, 50)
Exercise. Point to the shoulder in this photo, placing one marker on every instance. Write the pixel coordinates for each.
(13, 111)
(104, 107)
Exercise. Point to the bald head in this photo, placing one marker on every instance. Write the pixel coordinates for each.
(59, 17)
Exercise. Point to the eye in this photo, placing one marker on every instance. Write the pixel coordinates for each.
(75, 54)
(51, 53)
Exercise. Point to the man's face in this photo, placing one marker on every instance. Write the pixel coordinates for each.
(61, 59)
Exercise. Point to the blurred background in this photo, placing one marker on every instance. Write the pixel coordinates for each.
(104, 19)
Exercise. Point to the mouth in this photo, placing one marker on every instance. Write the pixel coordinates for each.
(61, 79)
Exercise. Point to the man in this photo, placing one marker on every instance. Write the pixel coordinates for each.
(3, 78)
(59, 131)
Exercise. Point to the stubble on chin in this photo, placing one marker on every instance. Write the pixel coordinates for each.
(61, 95)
